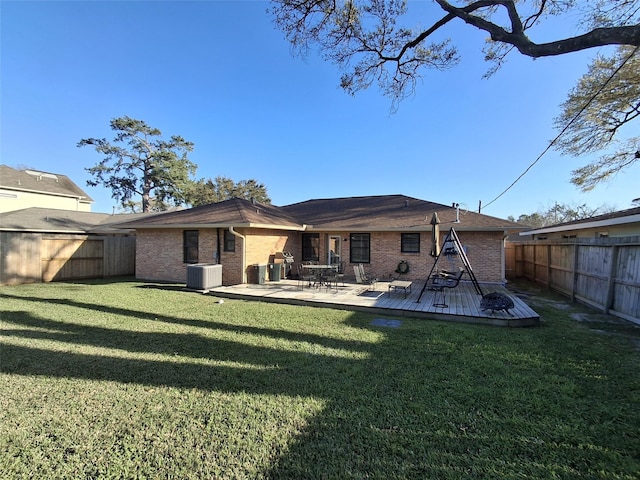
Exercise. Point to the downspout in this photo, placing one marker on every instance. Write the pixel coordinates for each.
(503, 257)
(218, 257)
(244, 253)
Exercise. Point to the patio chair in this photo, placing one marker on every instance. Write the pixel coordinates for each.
(447, 279)
(305, 276)
(331, 279)
(363, 278)
(340, 274)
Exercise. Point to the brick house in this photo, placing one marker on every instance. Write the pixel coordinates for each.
(377, 231)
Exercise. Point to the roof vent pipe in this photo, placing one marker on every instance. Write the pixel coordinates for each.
(457, 207)
(406, 203)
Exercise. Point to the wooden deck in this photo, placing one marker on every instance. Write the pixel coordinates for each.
(463, 303)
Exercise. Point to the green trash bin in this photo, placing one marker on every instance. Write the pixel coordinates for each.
(275, 272)
(258, 273)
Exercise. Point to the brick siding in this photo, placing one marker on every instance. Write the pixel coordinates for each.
(484, 251)
(159, 253)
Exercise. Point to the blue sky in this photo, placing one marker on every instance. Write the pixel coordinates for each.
(220, 74)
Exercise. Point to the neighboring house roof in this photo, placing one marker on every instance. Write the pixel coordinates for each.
(233, 212)
(40, 182)
(49, 220)
(622, 217)
(388, 212)
(382, 213)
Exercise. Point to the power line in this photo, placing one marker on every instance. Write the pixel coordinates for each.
(575, 117)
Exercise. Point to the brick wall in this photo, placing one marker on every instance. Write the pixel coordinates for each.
(231, 262)
(263, 244)
(484, 251)
(159, 253)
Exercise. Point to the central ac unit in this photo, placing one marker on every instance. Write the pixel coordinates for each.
(203, 276)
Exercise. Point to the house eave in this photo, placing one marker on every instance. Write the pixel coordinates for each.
(196, 226)
(417, 228)
(43, 230)
(584, 225)
(80, 198)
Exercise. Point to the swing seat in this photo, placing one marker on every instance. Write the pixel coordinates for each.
(441, 280)
(446, 279)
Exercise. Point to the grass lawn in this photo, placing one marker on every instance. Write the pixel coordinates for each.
(131, 380)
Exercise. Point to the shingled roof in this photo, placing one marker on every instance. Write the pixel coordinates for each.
(41, 182)
(233, 212)
(50, 220)
(388, 212)
(382, 213)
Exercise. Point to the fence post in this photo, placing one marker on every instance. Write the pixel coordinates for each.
(611, 283)
(574, 280)
(549, 266)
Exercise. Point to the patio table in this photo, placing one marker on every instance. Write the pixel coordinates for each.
(404, 284)
(319, 271)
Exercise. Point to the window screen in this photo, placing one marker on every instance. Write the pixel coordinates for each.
(410, 243)
(190, 246)
(310, 247)
(360, 248)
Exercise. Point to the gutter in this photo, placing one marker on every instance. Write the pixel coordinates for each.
(46, 192)
(586, 224)
(244, 253)
(139, 225)
(420, 228)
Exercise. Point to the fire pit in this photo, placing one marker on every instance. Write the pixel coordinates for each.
(496, 301)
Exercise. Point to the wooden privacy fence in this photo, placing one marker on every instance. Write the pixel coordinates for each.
(36, 257)
(601, 272)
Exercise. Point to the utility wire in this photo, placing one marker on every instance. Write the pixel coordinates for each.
(575, 117)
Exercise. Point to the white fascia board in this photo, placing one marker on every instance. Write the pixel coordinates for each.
(419, 228)
(274, 227)
(579, 226)
(43, 192)
(43, 230)
(196, 226)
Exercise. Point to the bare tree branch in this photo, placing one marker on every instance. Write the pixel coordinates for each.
(598, 37)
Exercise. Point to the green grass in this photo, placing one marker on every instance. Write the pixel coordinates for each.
(131, 380)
